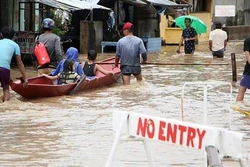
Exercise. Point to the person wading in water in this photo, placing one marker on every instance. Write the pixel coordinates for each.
(129, 50)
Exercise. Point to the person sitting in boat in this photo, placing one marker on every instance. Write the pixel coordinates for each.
(72, 53)
(68, 75)
(90, 67)
(52, 43)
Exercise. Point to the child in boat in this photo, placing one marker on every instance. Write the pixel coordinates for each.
(90, 67)
(72, 53)
(68, 75)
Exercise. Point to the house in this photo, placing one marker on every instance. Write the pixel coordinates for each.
(241, 12)
(234, 15)
(146, 16)
(199, 8)
(26, 15)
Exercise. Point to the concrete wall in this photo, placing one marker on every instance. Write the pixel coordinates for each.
(247, 12)
(9, 13)
(6, 13)
(163, 25)
(236, 32)
(146, 23)
(231, 21)
(172, 35)
(91, 35)
(15, 23)
(206, 18)
(236, 27)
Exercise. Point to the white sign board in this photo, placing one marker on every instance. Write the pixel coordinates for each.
(225, 11)
(182, 133)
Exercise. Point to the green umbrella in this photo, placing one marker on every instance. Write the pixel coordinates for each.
(196, 23)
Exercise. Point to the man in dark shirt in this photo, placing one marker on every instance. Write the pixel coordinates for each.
(189, 35)
(245, 80)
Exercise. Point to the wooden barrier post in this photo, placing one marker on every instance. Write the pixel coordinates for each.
(234, 71)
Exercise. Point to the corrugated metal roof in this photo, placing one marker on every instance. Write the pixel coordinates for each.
(82, 4)
(55, 4)
(135, 2)
(71, 5)
(167, 3)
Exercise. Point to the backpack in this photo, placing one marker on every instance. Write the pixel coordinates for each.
(41, 53)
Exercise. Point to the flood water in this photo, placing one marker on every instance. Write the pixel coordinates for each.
(77, 130)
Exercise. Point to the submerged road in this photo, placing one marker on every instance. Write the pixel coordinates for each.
(77, 130)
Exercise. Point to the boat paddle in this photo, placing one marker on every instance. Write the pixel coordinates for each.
(78, 85)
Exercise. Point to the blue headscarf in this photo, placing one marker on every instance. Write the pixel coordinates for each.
(72, 53)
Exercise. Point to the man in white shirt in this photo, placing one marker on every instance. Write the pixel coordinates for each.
(218, 41)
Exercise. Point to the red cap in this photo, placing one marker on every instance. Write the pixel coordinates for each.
(127, 25)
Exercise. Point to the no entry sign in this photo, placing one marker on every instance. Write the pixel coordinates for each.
(190, 135)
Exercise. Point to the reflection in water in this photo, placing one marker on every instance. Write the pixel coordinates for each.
(77, 130)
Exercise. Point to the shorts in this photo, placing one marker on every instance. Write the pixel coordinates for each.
(4, 77)
(128, 70)
(189, 50)
(245, 81)
(218, 53)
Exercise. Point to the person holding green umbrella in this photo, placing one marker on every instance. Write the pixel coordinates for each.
(189, 35)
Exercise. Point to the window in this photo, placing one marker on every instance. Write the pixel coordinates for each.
(30, 16)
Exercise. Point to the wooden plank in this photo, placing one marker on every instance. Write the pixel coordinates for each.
(155, 63)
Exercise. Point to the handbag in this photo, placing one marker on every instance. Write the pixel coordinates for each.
(41, 53)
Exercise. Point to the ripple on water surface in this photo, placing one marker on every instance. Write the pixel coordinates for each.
(77, 130)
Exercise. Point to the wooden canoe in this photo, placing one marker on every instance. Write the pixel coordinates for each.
(41, 86)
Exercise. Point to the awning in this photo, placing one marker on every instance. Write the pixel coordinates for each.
(167, 3)
(71, 5)
(138, 3)
(162, 3)
(55, 4)
(82, 4)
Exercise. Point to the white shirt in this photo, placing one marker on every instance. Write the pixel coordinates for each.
(218, 37)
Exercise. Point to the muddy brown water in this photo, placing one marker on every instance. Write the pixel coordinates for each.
(77, 130)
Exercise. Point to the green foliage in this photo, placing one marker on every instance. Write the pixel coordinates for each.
(59, 27)
(58, 31)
